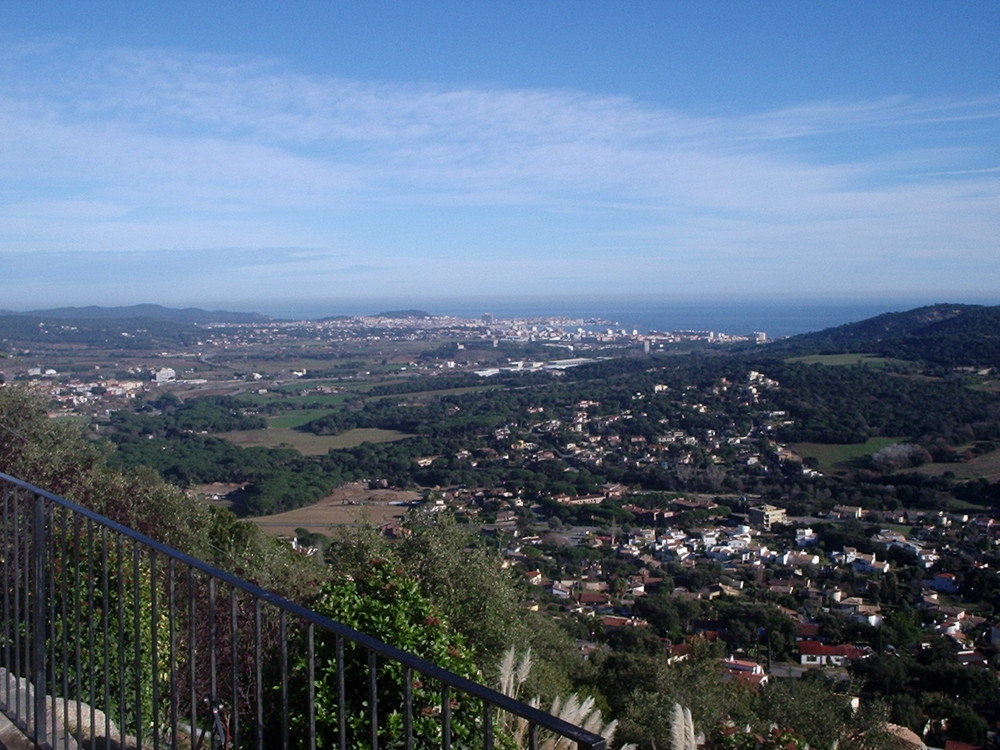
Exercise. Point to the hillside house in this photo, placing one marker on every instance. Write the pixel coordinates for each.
(816, 654)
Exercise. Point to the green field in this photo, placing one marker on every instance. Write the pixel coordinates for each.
(295, 418)
(981, 467)
(425, 395)
(852, 358)
(837, 457)
(307, 443)
(834, 458)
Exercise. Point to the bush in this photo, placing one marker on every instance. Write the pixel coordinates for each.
(387, 605)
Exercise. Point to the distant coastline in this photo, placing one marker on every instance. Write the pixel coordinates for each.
(776, 318)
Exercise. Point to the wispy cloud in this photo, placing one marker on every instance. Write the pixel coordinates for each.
(153, 150)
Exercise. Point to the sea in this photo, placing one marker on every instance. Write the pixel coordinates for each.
(777, 319)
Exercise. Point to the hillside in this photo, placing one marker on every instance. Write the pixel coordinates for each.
(949, 335)
(125, 334)
(130, 328)
(186, 316)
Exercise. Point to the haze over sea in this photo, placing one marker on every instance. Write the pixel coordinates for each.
(777, 318)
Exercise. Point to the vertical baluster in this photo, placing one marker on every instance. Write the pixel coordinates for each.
(51, 636)
(120, 574)
(137, 634)
(20, 566)
(487, 726)
(283, 664)
(408, 708)
(311, 682)
(78, 617)
(38, 616)
(341, 696)
(234, 677)
(213, 635)
(91, 691)
(373, 698)
(192, 656)
(172, 646)
(55, 637)
(154, 650)
(446, 717)
(105, 623)
(258, 657)
(8, 582)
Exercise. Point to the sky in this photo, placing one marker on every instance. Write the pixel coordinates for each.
(245, 154)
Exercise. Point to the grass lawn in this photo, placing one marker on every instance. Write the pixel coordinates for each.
(307, 443)
(837, 457)
(851, 358)
(986, 466)
(898, 528)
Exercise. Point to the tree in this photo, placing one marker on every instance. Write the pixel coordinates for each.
(810, 707)
(468, 581)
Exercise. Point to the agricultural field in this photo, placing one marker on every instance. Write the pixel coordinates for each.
(986, 466)
(838, 457)
(351, 504)
(308, 444)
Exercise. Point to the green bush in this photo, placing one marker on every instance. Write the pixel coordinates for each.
(385, 604)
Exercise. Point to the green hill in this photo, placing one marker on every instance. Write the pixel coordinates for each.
(949, 335)
(186, 316)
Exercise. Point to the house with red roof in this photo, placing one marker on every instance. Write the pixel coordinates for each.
(744, 670)
(816, 654)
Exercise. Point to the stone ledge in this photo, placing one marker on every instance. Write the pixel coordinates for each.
(76, 723)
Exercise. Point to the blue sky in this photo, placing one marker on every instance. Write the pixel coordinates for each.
(244, 154)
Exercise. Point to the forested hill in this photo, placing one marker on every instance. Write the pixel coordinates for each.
(950, 335)
(132, 327)
(186, 316)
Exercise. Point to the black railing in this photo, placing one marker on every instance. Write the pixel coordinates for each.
(111, 639)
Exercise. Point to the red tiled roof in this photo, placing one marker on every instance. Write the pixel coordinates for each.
(807, 630)
(615, 621)
(680, 649)
(815, 648)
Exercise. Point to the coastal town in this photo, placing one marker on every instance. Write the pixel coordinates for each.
(85, 369)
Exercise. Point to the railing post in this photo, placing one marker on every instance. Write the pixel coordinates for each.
(38, 622)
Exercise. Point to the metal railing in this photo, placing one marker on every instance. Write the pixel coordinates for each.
(111, 639)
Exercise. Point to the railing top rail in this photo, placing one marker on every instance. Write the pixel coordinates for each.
(579, 735)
